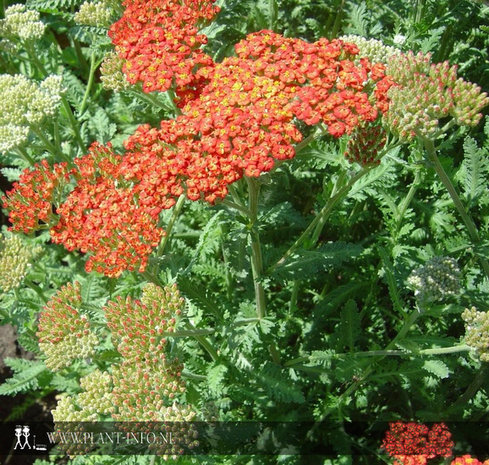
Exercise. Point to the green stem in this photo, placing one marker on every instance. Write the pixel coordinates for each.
(25, 156)
(466, 218)
(73, 123)
(403, 206)
(204, 343)
(50, 147)
(93, 68)
(256, 255)
(231, 204)
(320, 218)
(175, 214)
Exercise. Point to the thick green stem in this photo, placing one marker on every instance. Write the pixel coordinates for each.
(93, 68)
(204, 343)
(176, 213)
(256, 255)
(403, 206)
(320, 218)
(466, 218)
(231, 204)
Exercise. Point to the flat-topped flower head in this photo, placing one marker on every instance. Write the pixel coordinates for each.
(159, 41)
(21, 23)
(375, 50)
(64, 333)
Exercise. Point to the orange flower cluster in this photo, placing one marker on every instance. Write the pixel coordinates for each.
(468, 460)
(414, 443)
(159, 41)
(103, 215)
(31, 199)
(237, 119)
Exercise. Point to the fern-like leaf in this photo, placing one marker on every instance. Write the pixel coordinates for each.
(25, 376)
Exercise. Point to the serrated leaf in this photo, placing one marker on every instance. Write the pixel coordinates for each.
(215, 376)
(25, 378)
(436, 368)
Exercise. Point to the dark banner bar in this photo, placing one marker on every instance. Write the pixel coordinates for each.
(211, 438)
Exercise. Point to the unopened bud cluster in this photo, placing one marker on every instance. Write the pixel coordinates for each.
(111, 70)
(365, 145)
(15, 261)
(437, 280)
(25, 103)
(96, 13)
(375, 50)
(21, 23)
(424, 93)
(477, 331)
(64, 334)
(139, 327)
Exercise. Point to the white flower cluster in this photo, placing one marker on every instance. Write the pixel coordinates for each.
(373, 49)
(95, 14)
(111, 70)
(437, 280)
(25, 103)
(21, 23)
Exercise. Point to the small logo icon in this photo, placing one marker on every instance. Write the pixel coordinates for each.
(22, 433)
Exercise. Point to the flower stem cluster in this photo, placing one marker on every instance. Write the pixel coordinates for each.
(477, 331)
(159, 41)
(15, 261)
(414, 443)
(25, 104)
(424, 93)
(64, 333)
(437, 280)
(21, 23)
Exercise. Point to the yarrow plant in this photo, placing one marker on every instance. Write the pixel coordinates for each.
(252, 204)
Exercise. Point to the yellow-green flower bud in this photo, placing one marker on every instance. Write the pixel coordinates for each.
(477, 331)
(64, 334)
(373, 49)
(21, 23)
(437, 280)
(112, 76)
(15, 261)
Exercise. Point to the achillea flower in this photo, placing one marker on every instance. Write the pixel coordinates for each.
(100, 13)
(64, 333)
(21, 23)
(15, 261)
(437, 280)
(112, 76)
(25, 103)
(32, 198)
(103, 216)
(375, 50)
(413, 443)
(139, 327)
(424, 93)
(159, 41)
(477, 331)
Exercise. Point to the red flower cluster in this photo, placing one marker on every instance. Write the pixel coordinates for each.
(238, 123)
(31, 199)
(159, 42)
(103, 215)
(415, 441)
